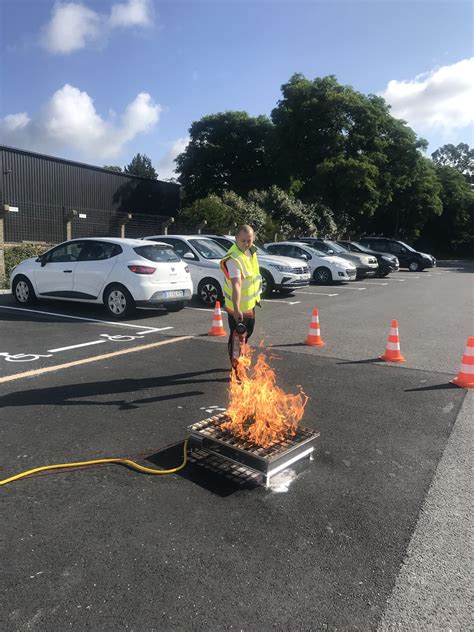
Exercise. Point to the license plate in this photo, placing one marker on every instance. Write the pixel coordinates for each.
(173, 293)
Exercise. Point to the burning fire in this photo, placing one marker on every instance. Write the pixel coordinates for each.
(259, 410)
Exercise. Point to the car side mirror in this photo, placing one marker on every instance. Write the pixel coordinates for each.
(330, 252)
(189, 255)
(41, 260)
(305, 256)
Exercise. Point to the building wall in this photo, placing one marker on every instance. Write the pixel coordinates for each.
(45, 188)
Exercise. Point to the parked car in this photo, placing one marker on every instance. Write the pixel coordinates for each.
(324, 268)
(387, 263)
(120, 273)
(408, 257)
(278, 273)
(366, 265)
(202, 256)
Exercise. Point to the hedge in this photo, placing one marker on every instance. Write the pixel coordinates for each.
(15, 254)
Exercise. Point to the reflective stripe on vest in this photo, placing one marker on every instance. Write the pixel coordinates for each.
(251, 280)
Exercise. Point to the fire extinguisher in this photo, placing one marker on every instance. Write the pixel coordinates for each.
(238, 341)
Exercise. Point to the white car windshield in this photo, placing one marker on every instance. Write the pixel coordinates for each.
(316, 252)
(208, 249)
(334, 246)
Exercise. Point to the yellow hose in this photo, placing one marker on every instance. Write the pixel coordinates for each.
(132, 464)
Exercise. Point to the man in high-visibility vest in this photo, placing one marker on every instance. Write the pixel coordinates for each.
(242, 284)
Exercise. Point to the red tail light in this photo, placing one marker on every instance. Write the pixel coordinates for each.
(142, 269)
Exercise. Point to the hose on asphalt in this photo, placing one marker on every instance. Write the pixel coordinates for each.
(126, 462)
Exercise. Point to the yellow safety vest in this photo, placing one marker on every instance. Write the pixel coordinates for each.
(251, 279)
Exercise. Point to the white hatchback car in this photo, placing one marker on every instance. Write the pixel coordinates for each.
(120, 273)
(324, 268)
(203, 256)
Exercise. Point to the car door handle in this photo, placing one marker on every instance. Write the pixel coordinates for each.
(67, 271)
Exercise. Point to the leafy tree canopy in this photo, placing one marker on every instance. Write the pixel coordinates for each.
(140, 165)
(459, 157)
(113, 168)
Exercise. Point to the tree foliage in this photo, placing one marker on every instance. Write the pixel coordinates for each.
(141, 166)
(459, 157)
(229, 151)
(113, 168)
(329, 160)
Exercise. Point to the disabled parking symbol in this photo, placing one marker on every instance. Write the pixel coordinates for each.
(120, 338)
(23, 357)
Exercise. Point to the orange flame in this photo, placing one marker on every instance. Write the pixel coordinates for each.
(259, 410)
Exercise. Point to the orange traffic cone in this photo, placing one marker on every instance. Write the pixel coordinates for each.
(314, 336)
(217, 327)
(392, 351)
(465, 377)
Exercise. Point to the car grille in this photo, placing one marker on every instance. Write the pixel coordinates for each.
(303, 270)
(372, 260)
(350, 272)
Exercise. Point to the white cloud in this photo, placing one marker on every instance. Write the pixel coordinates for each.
(166, 166)
(73, 26)
(70, 121)
(438, 101)
(131, 13)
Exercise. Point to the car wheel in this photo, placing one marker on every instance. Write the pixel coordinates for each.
(209, 291)
(118, 301)
(322, 276)
(23, 291)
(414, 266)
(267, 283)
(176, 307)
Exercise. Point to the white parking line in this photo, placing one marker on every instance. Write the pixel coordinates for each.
(348, 287)
(93, 320)
(277, 300)
(84, 344)
(317, 293)
(201, 309)
(375, 283)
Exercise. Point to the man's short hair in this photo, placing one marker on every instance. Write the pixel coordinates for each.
(244, 228)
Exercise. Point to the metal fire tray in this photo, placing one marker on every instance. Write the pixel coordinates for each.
(209, 435)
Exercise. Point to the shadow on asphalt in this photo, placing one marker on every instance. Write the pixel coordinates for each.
(73, 394)
(214, 474)
(368, 361)
(434, 387)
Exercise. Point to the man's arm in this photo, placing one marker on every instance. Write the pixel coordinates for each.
(236, 290)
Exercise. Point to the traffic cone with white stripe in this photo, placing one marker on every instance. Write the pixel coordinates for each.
(392, 350)
(314, 336)
(465, 377)
(217, 326)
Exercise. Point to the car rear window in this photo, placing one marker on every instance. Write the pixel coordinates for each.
(155, 252)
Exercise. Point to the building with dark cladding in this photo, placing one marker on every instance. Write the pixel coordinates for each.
(39, 192)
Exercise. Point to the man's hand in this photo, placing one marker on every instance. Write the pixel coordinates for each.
(239, 316)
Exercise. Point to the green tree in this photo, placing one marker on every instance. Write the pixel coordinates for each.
(229, 151)
(210, 208)
(459, 157)
(113, 168)
(140, 165)
(453, 230)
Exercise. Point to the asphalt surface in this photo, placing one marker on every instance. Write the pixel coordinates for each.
(108, 548)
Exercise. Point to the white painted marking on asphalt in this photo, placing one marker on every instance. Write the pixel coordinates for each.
(348, 287)
(317, 293)
(84, 344)
(93, 320)
(375, 283)
(201, 309)
(152, 331)
(277, 300)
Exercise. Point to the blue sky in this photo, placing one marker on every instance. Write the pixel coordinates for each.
(100, 80)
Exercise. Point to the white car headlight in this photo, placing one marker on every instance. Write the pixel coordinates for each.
(280, 268)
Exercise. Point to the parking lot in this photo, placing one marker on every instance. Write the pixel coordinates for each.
(108, 548)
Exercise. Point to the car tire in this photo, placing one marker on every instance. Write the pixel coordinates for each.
(285, 292)
(267, 283)
(414, 266)
(209, 291)
(23, 291)
(118, 301)
(322, 276)
(176, 306)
